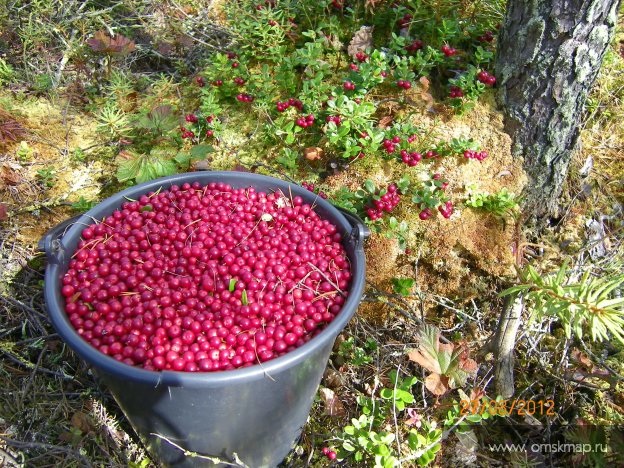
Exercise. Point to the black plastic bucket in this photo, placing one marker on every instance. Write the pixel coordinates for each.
(254, 414)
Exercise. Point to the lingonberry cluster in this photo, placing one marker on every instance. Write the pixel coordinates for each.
(410, 158)
(329, 453)
(282, 106)
(354, 67)
(238, 81)
(206, 278)
(446, 210)
(414, 46)
(310, 186)
(348, 86)
(425, 214)
(478, 155)
(305, 121)
(485, 78)
(201, 82)
(456, 92)
(244, 97)
(487, 36)
(186, 133)
(448, 50)
(404, 22)
(217, 83)
(334, 118)
(443, 183)
(361, 57)
(405, 84)
(385, 203)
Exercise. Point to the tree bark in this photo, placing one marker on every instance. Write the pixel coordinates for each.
(549, 54)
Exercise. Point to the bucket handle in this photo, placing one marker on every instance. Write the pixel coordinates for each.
(50, 243)
(360, 231)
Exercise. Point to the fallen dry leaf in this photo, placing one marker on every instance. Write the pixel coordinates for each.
(4, 212)
(385, 121)
(119, 45)
(203, 165)
(332, 379)
(313, 153)
(82, 422)
(425, 360)
(333, 405)
(362, 40)
(437, 384)
(580, 357)
(425, 95)
(9, 176)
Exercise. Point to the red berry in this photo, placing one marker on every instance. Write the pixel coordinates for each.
(425, 214)
(332, 455)
(191, 118)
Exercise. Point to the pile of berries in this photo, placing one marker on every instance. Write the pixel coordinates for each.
(456, 92)
(478, 155)
(335, 119)
(448, 50)
(348, 86)
(305, 121)
(411, 159)
(205, 278)
(385, 203)
(282, 106)
(414, 46)
(310, 186)
(244, 97)
(485, 78)
(446, 210)
(405, 84)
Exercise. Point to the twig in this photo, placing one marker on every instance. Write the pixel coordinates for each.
(215, 460)
(40, 445)
(30, 365)
(314, 267)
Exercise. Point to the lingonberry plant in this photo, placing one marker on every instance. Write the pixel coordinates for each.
(203, 278)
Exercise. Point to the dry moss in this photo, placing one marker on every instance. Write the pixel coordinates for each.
(455, 257)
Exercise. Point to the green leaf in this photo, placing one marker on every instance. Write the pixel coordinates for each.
(244, 300)
(369, 186)
(232, 286)
(200, 151)
(348, 446)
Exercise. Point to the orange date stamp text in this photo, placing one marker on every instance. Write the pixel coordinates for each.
(510, 407)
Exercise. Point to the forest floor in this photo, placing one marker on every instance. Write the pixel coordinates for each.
(78, 125)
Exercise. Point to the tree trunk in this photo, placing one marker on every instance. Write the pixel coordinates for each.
(549, 54)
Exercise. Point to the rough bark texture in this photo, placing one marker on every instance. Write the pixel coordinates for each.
(549, 54)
